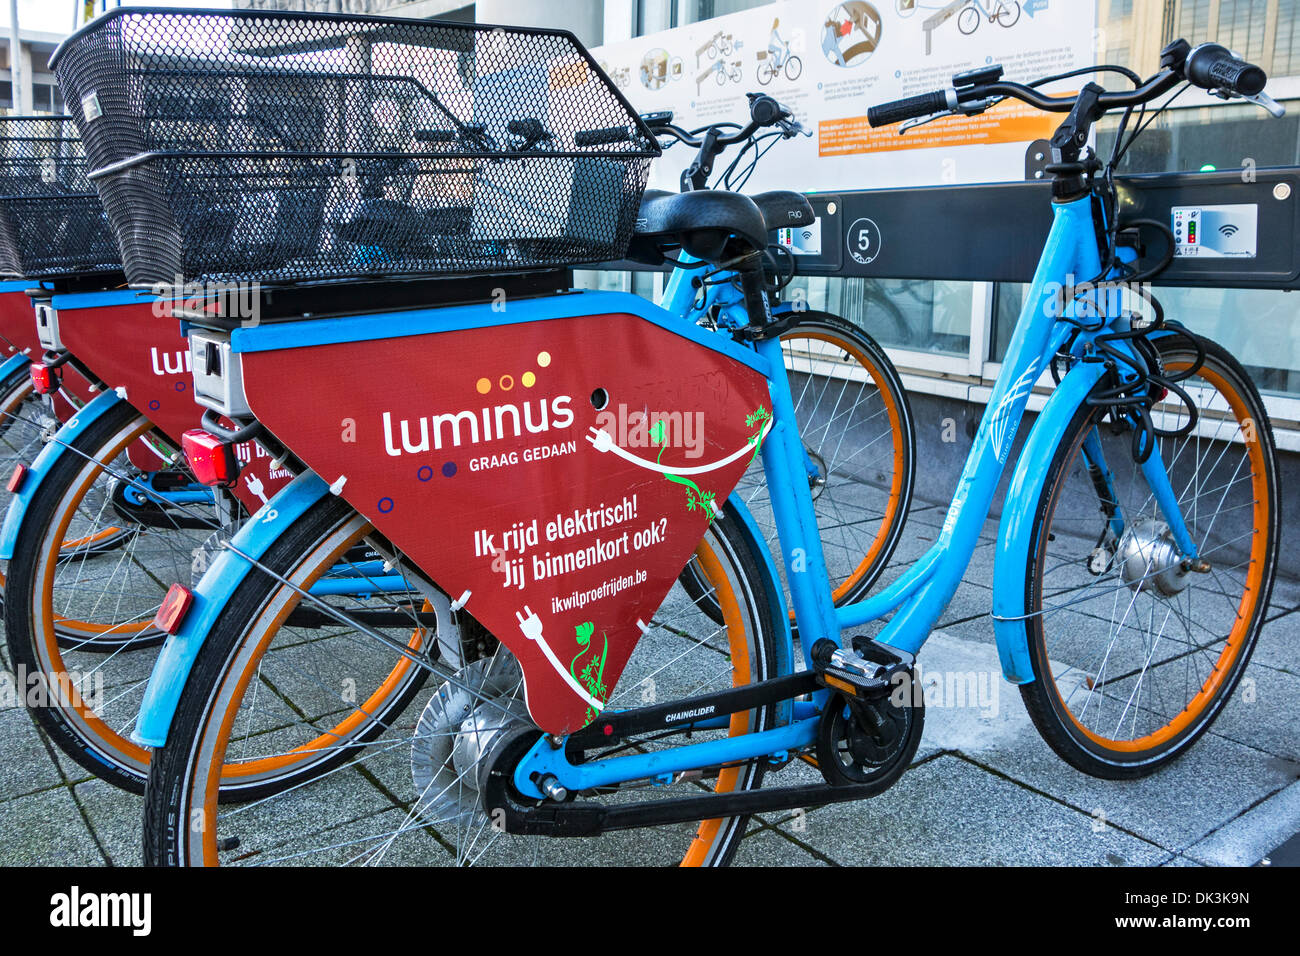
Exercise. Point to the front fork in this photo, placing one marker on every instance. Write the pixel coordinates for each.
(1156, 473)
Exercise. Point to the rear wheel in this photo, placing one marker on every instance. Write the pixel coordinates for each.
(83, 588)
(1135, 653)
(968, 21)
(857, 430)
(411, 795)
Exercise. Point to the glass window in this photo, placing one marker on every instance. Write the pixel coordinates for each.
(1241, 27)
(6, 95)
(913, 314)
(1286, 40)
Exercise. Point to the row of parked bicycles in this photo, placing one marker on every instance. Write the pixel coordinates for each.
(344, 529)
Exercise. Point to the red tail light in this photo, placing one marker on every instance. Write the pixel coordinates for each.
(174, 606)
(44, 379)
(17, 478)
(212, 460)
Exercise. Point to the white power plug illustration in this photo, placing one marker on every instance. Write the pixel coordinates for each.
(531, 627)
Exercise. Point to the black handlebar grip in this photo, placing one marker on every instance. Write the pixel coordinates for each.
(1213, 67)
(602, 137)
(914, 107)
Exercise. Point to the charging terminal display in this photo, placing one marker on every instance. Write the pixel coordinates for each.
(1216, 232)
(802, 241)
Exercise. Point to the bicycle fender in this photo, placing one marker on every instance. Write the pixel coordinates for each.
(218, 584)
(37, 471)
(1016, 525)
(12, 364)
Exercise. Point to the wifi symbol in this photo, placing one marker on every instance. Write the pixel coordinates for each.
(1229, 230)
(807, 234)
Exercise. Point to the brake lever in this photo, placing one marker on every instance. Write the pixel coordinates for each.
(1267, 103)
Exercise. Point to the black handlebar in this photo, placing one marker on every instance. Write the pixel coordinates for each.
(1213, 67)
(1209, 66)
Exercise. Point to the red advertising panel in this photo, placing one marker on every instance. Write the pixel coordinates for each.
(137, 347)
(555, 476)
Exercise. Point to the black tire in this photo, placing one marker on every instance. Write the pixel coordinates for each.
(175, 780)
(1078, 673)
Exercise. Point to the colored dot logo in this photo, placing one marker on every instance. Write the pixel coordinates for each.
(449, 470)
(507, 382)
(385, 505)
(425, 473)
(155, 405)
(180, 386)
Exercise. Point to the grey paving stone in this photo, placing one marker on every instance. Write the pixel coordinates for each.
(1176, 806)
(46, 829)
(950, 812)
(1262, 712)
(766, 847)
(1248, 838)
(115, 818)
(25, 763)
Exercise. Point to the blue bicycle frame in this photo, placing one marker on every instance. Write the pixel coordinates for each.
(920, 595)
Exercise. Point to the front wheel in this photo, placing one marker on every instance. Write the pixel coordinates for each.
(793, 68)
(968, 21)
(1008, 14)
(411, 794)
(765, 74)
(1136, 649)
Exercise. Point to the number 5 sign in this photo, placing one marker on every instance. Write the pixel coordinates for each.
(864, 241)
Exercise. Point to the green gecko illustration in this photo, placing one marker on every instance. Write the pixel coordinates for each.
(695, 498)
(592, 675)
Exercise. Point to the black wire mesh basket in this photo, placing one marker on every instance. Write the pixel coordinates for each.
(285, 147)
(51, 220)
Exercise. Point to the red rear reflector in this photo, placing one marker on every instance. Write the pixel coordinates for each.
(174, 605)
(212, 460)
(17, 478)
(44, 379)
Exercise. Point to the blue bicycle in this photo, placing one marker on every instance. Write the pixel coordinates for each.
(1135, 559)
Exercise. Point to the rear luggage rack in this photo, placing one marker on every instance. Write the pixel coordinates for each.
(282, 147)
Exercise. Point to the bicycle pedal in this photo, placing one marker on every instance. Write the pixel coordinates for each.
(870, 670)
